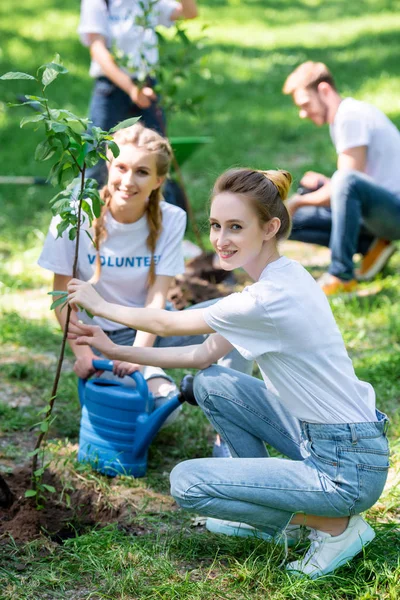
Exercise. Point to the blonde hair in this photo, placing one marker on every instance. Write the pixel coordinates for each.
(267, 190)
(150, 140)
(308, 75)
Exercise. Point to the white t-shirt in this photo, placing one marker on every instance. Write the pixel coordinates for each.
(125, 26)
(124, 256)
(284, 323)
(360, 124)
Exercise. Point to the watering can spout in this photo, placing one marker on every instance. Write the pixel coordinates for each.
(151, 424)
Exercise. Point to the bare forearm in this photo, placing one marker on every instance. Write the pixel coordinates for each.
(101, 55)
(154, 320)
(144, 339)
(321, 197)
(190, 357)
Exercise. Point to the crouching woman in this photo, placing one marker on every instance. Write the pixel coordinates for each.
(310, 406)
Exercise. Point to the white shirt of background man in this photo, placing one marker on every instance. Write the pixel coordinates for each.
(358, 124)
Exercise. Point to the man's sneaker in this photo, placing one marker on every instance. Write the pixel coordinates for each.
(327, 553)
(293, 533)
(332, 285)
(221, 449)
(376, 258)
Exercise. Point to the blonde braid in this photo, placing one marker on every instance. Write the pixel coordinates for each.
(154, 221)
(100, 231)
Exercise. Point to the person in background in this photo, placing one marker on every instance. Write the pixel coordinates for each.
(310, 405)
(358, 209)
(124, 89)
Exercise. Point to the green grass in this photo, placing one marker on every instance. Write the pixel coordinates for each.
(252, 47)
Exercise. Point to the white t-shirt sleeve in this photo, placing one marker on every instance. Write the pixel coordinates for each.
(351, 132)
(165, 8)
(244, 322)
(171, 261)
(93, 19)
(58, 253)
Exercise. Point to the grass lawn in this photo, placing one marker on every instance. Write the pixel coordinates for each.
(161, 552)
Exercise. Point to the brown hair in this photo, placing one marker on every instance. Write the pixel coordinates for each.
(150, 140)
(267, 190)
(308, 75)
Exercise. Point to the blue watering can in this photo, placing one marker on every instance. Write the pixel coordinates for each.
(119, 422)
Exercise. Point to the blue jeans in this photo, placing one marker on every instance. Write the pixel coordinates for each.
(333, 470)
(313, 225)
(110, 105)
(356, 198)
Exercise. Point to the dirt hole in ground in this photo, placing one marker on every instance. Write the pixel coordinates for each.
(65, 516)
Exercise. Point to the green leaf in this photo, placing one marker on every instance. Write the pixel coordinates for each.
(87, 209)
(17, 75)
(72, 233)
(90, 237)
(44, 151)
(57, 293)
(44, 427)
(92, 158)
(51, 72)
(39, 472)
(57, 127)
(36, 98)
(61, 227)
(89, 314)
(96, 206)
(49, 488)
(31, 119)
(114, 148)
(57, 303)
(33, 453)
(30, 493)
(126, 123)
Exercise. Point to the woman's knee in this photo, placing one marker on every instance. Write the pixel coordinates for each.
(203, 381)
(184, 481)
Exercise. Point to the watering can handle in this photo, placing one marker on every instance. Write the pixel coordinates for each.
(100, 364)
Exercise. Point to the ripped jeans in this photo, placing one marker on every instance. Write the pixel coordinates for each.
(332, 470)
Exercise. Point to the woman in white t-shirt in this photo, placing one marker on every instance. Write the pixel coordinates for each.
(139, 241)
(311, 407)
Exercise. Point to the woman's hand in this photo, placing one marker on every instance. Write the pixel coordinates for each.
(82, 294)
(142, 97)
(83, 367)
(91, 335)
(313, 180)
(122, 368)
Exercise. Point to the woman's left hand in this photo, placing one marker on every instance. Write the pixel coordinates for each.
(122, 368)
(82, 294)
(91, 335)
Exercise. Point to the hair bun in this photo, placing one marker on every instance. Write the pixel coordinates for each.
(282, 180)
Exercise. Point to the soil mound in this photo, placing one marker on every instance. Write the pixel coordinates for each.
(67, 514)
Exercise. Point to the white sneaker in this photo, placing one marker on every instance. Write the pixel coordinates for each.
(233, 528)
(327, 553)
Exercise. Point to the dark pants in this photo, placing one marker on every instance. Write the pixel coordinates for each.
(313, 225)
(109, 106)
